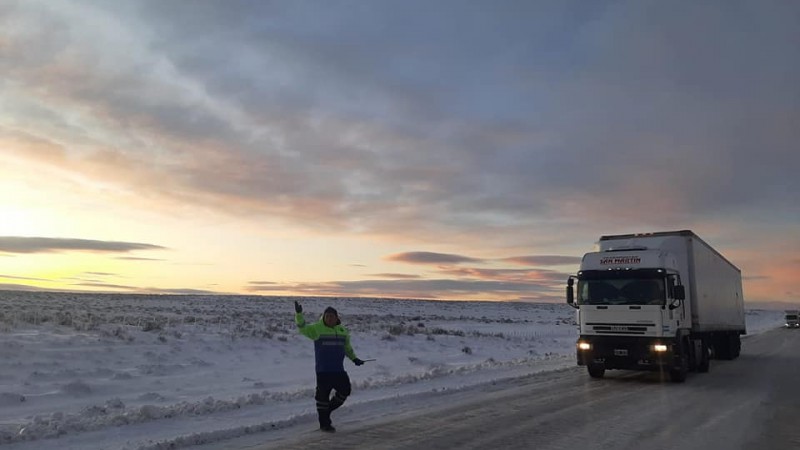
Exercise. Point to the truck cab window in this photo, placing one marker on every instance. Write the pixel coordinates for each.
(630, 290)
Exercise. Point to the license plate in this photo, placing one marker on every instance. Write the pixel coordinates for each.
(620, 352)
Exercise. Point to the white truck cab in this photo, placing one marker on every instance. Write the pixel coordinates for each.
(635, 292)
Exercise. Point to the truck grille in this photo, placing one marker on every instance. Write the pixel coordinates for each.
(621, 328)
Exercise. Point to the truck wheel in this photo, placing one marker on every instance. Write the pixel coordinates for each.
(705, 358)
(596, 370)
(737, 346)
(678, 373)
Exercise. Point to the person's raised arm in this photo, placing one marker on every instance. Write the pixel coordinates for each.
(305, 329)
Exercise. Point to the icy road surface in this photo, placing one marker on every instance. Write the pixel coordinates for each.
(748, 403)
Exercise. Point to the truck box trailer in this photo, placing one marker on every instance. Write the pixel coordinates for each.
(663, 301)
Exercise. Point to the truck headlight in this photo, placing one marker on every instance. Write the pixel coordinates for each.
(584, 346)
(660, 348)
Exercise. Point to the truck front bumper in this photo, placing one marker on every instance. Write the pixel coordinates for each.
(626, 352)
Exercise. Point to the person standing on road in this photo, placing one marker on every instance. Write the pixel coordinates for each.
(331, 345)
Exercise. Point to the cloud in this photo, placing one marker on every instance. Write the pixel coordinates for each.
(17, 244)
(395, 275)
(258, 284)
(134, 258)
(431, 258)
(180, 291)
(148, 290)
(107, 286)
(25, 287)
(520, 275)
(527, 125)
(23, 278)
(433, 289)
(544, 260)
(111, 288)
(298, 116)
(466, 283)
(242, 136)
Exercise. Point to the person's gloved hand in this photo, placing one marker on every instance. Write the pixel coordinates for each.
(298, 308)
(358, 362)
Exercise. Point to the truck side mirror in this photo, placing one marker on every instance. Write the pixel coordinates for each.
(679, 294)
(571, 293)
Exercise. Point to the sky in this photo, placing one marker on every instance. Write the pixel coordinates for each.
(448, 150)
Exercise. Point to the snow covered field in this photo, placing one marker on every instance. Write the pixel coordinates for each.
(91, 371)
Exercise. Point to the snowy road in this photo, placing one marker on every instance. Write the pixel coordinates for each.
(749, 403)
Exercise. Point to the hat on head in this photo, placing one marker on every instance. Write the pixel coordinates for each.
(330, 309)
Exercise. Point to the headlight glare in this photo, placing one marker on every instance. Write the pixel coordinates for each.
(660, 348)
(584, 346)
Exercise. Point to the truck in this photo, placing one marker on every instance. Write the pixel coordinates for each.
(661, 301)
(792, 318)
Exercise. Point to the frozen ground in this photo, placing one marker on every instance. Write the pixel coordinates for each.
(150, 372)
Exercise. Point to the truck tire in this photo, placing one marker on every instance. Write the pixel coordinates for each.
(737, 346)
(677, 373)
(596, 370)
(705, 358)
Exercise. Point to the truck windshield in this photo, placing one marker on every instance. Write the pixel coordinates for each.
(626, 288)
(791, 317)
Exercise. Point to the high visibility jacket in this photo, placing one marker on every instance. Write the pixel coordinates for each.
(331, 344)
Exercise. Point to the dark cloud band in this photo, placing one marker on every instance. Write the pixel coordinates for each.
(431, 258)
(17, 244)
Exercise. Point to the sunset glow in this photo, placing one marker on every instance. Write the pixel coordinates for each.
(165, 147)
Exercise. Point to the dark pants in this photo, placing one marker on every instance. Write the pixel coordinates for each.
(327, 382)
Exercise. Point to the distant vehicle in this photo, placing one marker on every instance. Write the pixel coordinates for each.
(792, 318)
(656, 301)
